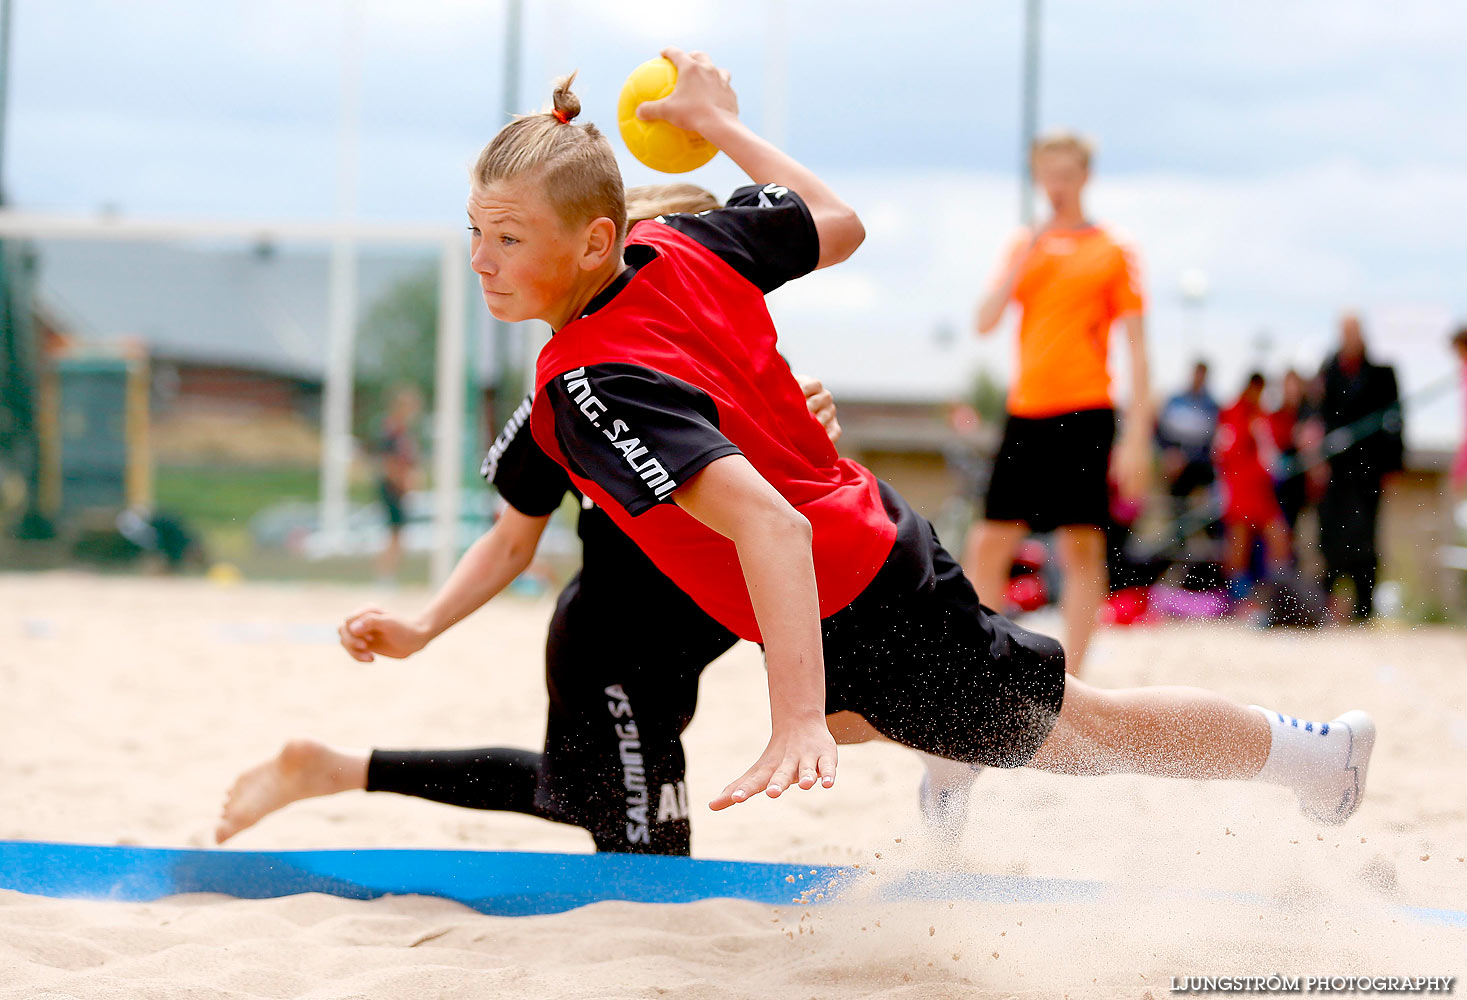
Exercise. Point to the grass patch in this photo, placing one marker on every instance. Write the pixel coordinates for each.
(215, 496)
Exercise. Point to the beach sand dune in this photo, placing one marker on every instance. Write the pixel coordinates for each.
(128, 705)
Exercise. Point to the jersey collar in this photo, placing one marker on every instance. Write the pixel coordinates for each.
(635, 256)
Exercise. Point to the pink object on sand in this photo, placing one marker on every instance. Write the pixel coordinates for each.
(1174, 602)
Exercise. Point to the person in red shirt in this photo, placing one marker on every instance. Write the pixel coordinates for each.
(1290, 429)
(1245, 452)
(630, 799)
(663, 396)
(1073, 281)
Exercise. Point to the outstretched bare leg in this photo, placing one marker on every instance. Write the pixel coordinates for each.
(1183, 732)
(1177, 732)
(302, 769)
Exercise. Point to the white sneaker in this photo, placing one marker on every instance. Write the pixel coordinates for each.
(1333, 797)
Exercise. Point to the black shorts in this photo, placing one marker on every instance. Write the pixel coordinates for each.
(930, 667)
(622, 663)
(1051, 471)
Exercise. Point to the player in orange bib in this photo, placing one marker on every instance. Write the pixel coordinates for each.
(1073, 282)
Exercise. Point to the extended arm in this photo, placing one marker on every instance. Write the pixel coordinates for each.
(704, 102)
(996, 300)
(774, 548)
(1133, 464)
(490, 564)
(1133, 461)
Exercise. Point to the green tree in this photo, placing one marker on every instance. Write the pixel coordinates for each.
(396, 345)
(989, 397)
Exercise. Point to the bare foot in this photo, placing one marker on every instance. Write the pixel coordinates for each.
(303, 769)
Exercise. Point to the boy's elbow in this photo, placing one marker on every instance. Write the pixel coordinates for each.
(853, 233)
(841, 234)
(858, 231)
(800, 529)
(780, 525)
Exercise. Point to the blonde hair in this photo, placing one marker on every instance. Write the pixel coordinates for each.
(648, 201)
(1062, 141)
(575, 162)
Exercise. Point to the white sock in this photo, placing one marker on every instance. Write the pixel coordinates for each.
(944, 775)
(943, 796)
(1301, 751)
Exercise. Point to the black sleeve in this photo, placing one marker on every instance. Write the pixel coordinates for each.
(765, 233)
(635, 432)
(529, 480)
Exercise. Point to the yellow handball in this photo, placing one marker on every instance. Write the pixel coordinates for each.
(661, 146)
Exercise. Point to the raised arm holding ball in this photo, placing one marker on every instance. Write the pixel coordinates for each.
(703, 101)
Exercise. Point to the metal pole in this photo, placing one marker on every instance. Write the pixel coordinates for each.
(506, 387)
(776, 70)
(457, 413)
(1030, 109)
(337, 389)
(448, 434)
(4, 86)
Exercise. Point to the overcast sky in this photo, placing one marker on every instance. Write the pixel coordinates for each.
(1307, 156)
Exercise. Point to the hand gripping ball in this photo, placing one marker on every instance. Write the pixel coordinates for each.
(661, 146)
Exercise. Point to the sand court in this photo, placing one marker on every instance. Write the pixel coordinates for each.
(128, 705)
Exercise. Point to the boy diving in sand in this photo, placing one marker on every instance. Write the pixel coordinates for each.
(663, 397)
(611, 765)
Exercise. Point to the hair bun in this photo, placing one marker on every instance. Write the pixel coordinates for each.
(565, 104)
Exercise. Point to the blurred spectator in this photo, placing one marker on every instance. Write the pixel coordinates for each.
(1073, 281)
(1291, 426)
(396, 446)
(1459, 465)
(1360, 409)
(1245, 454)
(1185, 429)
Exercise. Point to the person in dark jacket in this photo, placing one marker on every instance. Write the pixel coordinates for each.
(1360, 409)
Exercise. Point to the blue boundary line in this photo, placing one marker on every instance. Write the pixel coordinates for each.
(513, 883)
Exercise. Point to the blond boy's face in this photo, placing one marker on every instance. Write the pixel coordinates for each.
(526, 258)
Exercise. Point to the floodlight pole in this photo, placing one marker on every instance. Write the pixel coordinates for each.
(449, 437)
(1029, 111)
(458, 413)
(4, 86)
(776, 71)
(506, 388)
(337, 389)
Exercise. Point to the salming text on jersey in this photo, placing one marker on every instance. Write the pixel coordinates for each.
(633, 767)
(511, 428)
(633, 452)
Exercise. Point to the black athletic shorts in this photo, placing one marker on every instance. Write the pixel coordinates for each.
(622, 663)
(1051, 471)
(930, 667)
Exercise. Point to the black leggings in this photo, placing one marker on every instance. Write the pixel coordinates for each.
(488, 778)
(613, 760)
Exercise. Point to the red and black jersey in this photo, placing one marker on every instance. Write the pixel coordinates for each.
(675, 366)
